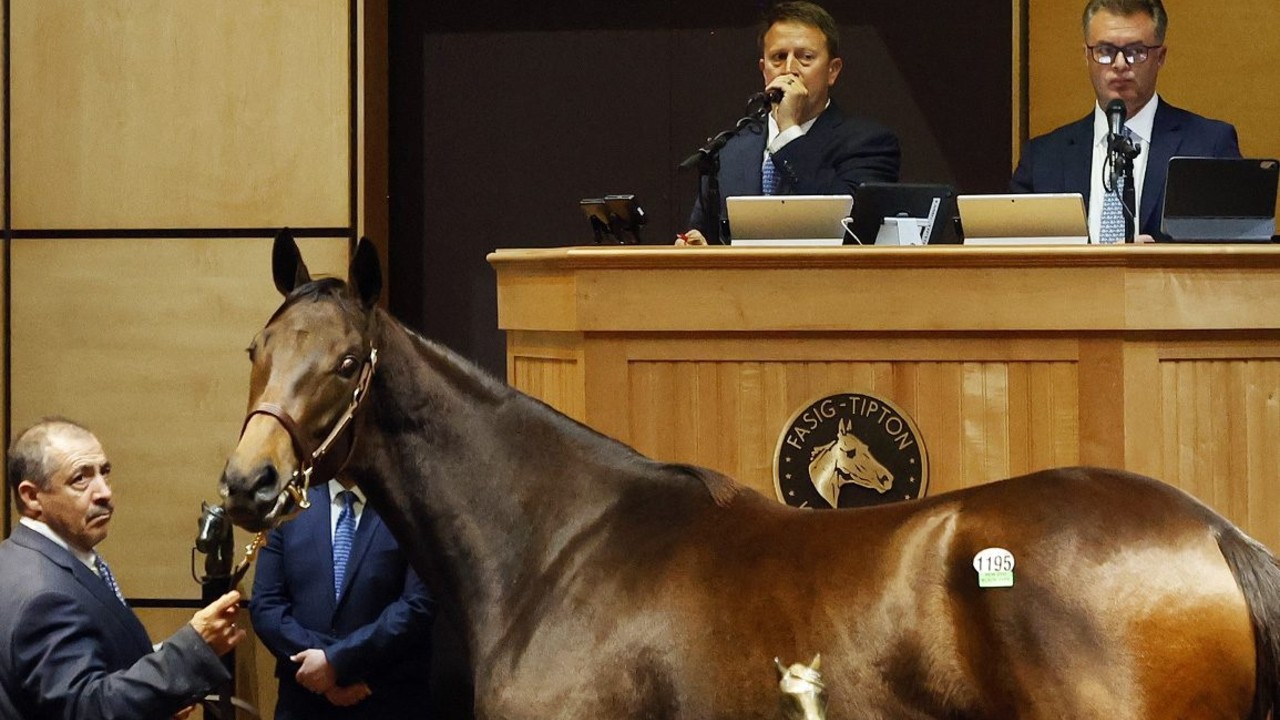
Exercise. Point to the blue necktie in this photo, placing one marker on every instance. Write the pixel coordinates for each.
(104, 572)
(1111, 229)
(343, 534)
(768, 176)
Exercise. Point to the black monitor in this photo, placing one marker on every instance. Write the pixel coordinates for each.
(873, 202)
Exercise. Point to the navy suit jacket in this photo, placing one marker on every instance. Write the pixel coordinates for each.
(69, 649)
(836, 156)
(1061, 160)
(378, 631)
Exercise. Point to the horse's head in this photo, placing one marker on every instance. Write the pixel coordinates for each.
(802, 695)
(855, 463)
(311, 367)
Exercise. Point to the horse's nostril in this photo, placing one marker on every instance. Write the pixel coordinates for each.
(255, 485)
(264, 483)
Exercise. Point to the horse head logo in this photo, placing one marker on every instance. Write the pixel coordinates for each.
(802, 695)
(846, 460)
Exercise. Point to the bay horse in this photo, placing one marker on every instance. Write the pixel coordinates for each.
(593, 582)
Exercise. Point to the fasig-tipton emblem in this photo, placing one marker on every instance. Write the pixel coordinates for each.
(850, 450)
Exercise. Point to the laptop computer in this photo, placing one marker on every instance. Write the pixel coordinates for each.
(933, 205)
(787, 220)
(1024, 219)
(1220, 200)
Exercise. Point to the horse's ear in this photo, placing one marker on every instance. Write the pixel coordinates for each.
(287, 266)
(365, 275)
(782, 671)
(817, 662)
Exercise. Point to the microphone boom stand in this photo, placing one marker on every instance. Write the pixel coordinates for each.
(1123, 151)
(707, 160)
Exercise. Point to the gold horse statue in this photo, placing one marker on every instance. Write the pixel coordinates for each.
(802, 696)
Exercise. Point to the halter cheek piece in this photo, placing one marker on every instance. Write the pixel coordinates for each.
(300, 481)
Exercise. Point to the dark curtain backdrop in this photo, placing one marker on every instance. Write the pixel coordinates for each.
(503, 115)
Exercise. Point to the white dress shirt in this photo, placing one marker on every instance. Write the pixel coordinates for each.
(335, 505)
(1141, 126)
(778, 139)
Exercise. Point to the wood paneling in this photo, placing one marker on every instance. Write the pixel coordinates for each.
(143, 341)
(154, 113)
(979, 421)
(1219, 420)
(1162, 360)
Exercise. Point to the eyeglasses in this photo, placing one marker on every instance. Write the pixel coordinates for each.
(1106, 53)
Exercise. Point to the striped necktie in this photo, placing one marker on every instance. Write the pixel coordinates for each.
(104, 572)
(343, 535)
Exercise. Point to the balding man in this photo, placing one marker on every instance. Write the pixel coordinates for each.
(70, 648)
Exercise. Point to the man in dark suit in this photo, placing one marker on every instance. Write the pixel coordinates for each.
(351, 633)
(70, 648)
(806, 146)
(1124, 51)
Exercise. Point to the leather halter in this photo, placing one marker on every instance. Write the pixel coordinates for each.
(300, 481)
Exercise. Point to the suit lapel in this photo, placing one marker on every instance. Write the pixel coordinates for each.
(824, 126)
(747, 180)
(1079, 157)
(319, 534)
(94, 585)
(1166, 138)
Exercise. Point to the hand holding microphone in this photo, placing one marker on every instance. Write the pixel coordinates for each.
(789, 93)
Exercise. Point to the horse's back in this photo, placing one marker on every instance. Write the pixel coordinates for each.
(1120, 595)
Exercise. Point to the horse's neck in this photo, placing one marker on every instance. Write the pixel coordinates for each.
(456, 460)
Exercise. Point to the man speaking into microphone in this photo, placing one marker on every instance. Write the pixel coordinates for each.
(1124, 52)
(806, 146)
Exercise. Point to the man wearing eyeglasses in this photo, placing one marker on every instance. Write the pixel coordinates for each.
(1124, 51)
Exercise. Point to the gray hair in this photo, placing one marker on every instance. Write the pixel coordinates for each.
(1126, 8)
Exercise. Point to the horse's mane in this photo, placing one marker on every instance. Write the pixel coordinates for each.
(320, 288)
(722, 488)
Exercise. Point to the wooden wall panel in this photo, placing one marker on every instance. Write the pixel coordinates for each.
(143, 341)
(551, 380)
(156, 113)
(1220, 419)
(980, 421)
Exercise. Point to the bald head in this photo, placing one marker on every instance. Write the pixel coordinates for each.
(29, 457)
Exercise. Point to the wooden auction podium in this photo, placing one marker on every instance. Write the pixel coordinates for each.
(1164, 360)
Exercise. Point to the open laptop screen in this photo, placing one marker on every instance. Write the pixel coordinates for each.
(1220, 199)
(787, 220)
(1024, 219)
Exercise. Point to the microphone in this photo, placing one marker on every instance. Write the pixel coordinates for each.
(213, 527)
(772, 96)
(1116, 115)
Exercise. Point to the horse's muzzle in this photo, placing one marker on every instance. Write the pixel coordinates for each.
(256, 500)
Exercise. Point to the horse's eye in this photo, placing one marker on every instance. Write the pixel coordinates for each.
(252, 350)
(347, 368)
